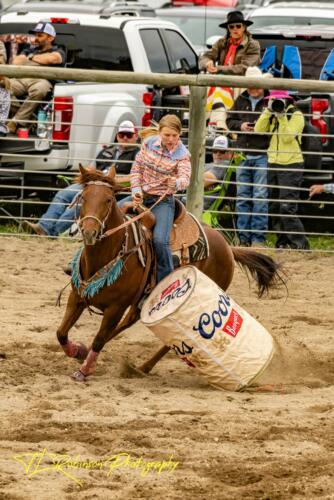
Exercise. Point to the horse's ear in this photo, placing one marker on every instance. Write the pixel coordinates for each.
(82, 169)
(112, 173)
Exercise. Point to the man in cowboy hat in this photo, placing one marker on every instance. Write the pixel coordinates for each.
(235, 52)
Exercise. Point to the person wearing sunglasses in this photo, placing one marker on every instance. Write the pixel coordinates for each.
(235, 52)
(60, 215)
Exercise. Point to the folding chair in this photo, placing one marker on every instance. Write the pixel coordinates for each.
(213, 216)
(269, 61)
(291, 63)
(12, 188)
(327, 72)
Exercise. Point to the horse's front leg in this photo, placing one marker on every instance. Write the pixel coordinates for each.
(107, 331)
(74, 309)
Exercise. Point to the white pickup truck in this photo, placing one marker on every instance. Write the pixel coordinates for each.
(86, 115)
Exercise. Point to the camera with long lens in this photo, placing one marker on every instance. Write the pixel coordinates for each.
(277, 105)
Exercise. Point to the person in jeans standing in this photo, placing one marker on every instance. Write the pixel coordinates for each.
(251, 175)
(162, 167)
(285, 166)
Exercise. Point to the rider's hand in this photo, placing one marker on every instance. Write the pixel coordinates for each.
(316, 189)
(137, 197)
(171, 182)
(211, 68)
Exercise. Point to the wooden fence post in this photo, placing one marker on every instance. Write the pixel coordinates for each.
(197, 132)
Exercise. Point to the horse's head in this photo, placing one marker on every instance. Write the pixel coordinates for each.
(97, 202)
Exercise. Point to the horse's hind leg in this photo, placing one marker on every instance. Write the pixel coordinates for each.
(148, 365)
(74, 309)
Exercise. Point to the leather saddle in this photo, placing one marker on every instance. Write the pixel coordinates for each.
(185, 231)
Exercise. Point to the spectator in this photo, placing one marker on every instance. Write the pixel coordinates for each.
(285, 165)
(3, 53)
(162, 167)
(60, 216)
(321, 188)
(251, 176)
(232, 54)
(4, 104)
(216, 171)
(42, 53)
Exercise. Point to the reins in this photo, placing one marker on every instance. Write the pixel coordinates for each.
(102, 223)
(133, 219)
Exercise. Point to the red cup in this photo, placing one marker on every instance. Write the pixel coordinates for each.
(22, 133)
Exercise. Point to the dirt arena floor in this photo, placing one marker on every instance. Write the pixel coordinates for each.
(169, 435)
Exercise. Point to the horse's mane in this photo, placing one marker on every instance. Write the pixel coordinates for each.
(95, 175)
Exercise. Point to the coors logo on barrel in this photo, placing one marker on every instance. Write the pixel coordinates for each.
(209, 321)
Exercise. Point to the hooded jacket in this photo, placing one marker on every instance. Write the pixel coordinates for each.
(284, 146)
(247, 54)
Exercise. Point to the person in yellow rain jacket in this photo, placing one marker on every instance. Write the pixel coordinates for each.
(285, 123)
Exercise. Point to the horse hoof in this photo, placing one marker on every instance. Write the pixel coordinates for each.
(82, 352)
(128, 370)
(270, 388)
(79, 376)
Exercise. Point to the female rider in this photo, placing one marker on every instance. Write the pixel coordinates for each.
(162, 167)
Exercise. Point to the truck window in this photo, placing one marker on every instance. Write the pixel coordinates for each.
(88, 47)
(180, 53)
(155, 51)
(101, 48)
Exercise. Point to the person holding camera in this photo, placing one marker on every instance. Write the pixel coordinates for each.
(251, 175)
(285, 123)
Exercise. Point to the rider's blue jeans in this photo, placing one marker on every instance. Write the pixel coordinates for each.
(252, 200)
(59, 217)
(164, 215)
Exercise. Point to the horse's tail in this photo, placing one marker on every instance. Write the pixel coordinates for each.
(263, 269)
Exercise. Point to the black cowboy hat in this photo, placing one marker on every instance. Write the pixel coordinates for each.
(236, 16)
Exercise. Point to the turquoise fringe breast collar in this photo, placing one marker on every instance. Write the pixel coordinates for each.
(108, 274)
(105, 276)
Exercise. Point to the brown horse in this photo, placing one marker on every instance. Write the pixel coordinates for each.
(109, 275)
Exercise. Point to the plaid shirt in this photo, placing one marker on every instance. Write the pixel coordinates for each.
(4, 109)
(154, 164)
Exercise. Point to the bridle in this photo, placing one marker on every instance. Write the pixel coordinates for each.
(102, 223)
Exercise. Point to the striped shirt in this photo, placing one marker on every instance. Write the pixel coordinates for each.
(4, 109)
(154, 164)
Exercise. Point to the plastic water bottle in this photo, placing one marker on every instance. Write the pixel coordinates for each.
(41, 124)
(49, 124)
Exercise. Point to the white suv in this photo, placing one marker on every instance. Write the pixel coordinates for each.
(293, 14)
